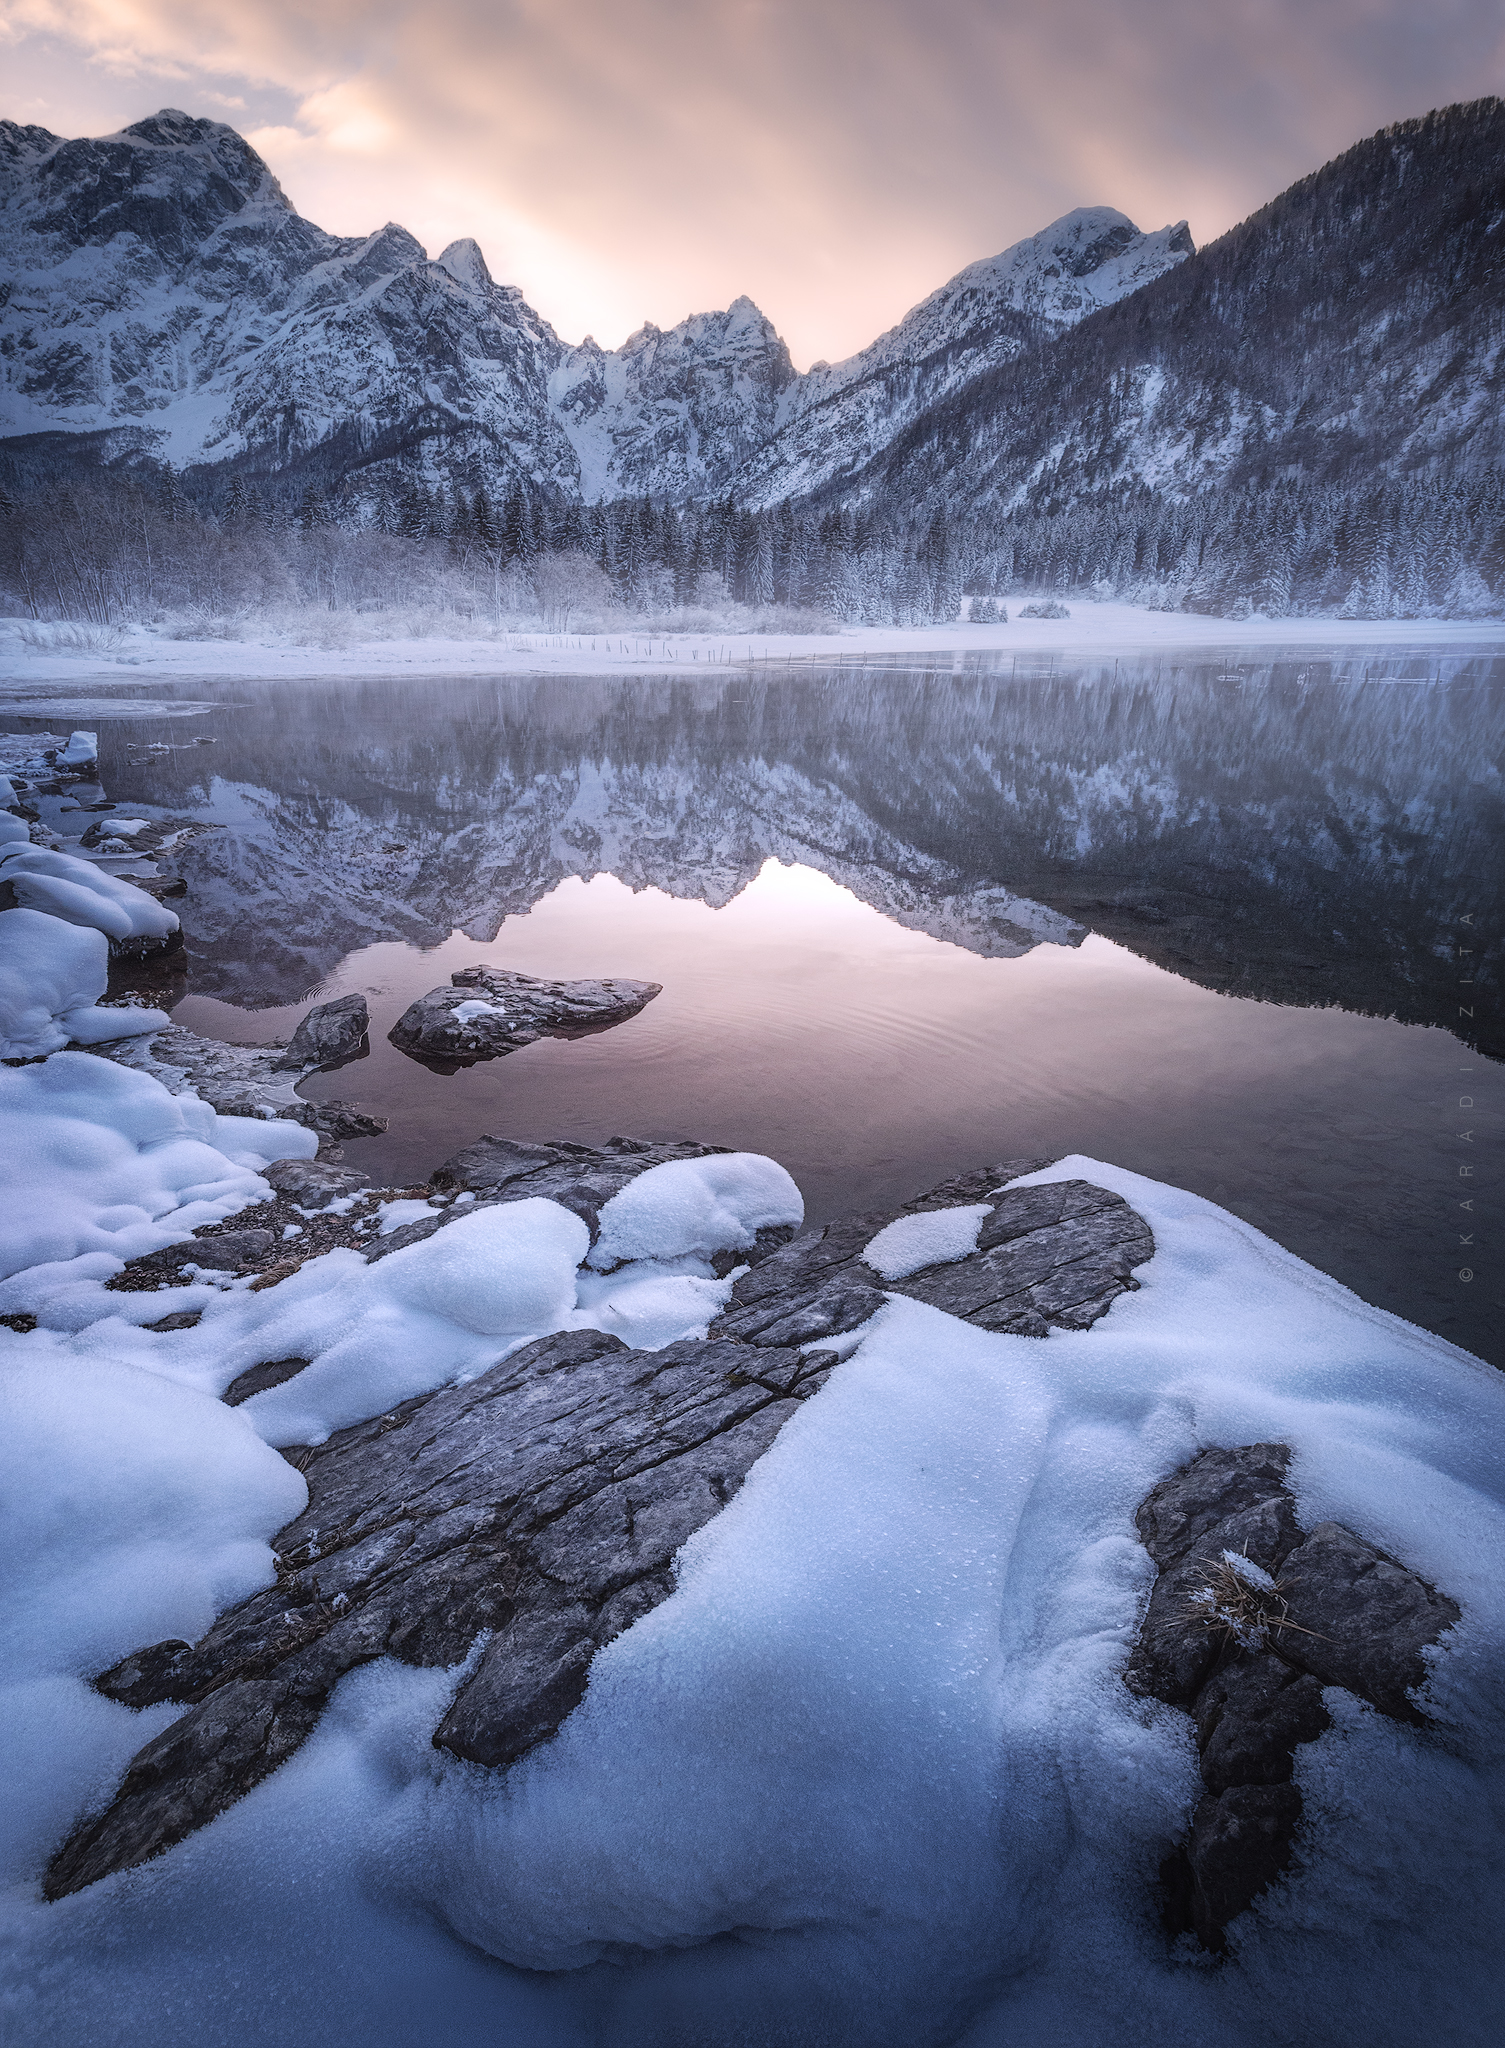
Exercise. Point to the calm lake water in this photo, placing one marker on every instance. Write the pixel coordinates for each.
(1204, 921)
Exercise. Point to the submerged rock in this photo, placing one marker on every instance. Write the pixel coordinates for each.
(1247, 1647)
(545, 1499)
(329, 1035)
(488, 1012)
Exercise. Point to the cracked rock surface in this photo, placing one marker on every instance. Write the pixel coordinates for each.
(1056, 1255)
(1249, 1661)
(489, 1011)
(544, 1501)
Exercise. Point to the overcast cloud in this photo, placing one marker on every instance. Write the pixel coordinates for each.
(625, 160)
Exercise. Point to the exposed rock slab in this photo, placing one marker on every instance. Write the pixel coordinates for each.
(544, 1500)
(254, 1080)
(1249, 1661)
(488, 1012)
(1057, 1255)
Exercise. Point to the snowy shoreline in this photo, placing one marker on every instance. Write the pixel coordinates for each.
(929, 1580)
(1092, 633)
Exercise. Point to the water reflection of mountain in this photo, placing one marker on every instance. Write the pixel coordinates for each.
(1290, 836)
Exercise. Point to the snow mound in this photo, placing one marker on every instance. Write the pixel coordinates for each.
(100, 1158)
(930, 1584)
(439, 1310)
(939, 1237)
(80, 893)
(82, 751)
(870, 1774)
(12, 827)
(696, 1206)
(52, 974)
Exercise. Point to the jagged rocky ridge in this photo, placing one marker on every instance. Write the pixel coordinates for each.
(544, 1501)
(1346, 333)
(1249, 1619)
(164, 295)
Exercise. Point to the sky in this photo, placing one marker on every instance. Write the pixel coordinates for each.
(836, 160)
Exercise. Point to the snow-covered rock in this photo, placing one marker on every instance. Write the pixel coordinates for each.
(53, 970)
(102, 1159)
(37, 878)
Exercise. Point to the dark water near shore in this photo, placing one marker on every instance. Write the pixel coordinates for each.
(1206, 922)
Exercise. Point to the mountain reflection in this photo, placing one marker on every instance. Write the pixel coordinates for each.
(1287, 835)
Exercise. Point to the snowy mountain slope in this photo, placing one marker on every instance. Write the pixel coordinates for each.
(162, 289)
(1348, 331)
(160, 278)
(673, 413)
(989, 313)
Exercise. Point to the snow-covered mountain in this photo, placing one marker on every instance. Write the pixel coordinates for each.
(162, 290)
(1348, 333)
(160, 280)
(989, 313)
(673, 413)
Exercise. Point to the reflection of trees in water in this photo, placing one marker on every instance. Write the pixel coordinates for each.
(1290, 835)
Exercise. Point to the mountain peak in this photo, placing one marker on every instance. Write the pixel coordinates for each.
(466, 265)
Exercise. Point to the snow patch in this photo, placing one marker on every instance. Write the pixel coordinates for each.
(696, 1206)
(937, 1238)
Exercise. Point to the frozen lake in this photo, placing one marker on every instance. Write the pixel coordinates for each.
(1201, 920)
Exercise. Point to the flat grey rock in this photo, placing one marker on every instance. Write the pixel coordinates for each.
(1057, 1255)
(232, 1251)
(312, 1181)
(1251, 1670)
(330, 1034)
(1368, 1618)
(488, 1012)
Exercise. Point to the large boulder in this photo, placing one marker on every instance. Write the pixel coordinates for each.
(488, 1012)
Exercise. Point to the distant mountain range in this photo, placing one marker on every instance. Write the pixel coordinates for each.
(162, 291)
(1304, 415)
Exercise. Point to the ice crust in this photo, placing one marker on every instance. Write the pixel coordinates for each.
(869, 1776)
(936, 1237)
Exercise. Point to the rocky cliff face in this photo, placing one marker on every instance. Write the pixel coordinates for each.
(160, 280)
(164, 291)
